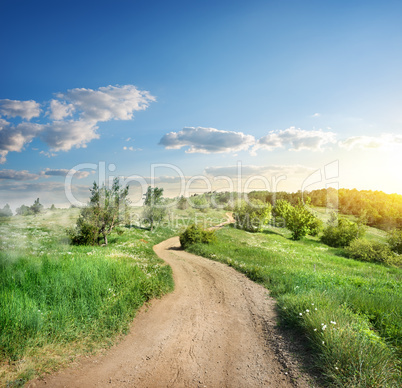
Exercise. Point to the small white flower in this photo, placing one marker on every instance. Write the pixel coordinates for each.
(322, 324)
(315, 329)
(333, 322)
(284, 308)
(336, 368)
(323, 342)
(307, 311)
(324, 327)
(312, 304)
(315, 308)
(300, 313)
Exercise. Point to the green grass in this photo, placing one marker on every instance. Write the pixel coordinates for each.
(315, 286)
(58, 301)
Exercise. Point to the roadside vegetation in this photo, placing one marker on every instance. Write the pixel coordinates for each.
(59, 300)
(337, 281)
(350, 311)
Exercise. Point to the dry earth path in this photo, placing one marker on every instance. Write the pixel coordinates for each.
(217, 329)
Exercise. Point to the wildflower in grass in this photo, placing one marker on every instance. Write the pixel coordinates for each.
(323, 342)
(307, 311)
(315, 308)
(300, 314)
(333, 322)
(315, 329)
(324, 327)
(312, 304)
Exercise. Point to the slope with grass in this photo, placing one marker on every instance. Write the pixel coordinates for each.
(350, 311)
(58, 301)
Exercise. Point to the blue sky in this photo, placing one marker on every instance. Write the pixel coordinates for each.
(282, 88)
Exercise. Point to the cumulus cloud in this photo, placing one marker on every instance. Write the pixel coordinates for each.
(207, 140)
(371, 142)
(63, 172)
(296, 139)
(24, 109)
(14, 138)
(59, 110)
(64, 135)
(23, 175)
(108, 103)
(72, 117)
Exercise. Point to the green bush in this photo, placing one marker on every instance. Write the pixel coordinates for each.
(341, 232)
(372, 251)
(395, 240)
(252, 215)
(298, 219)
(195, 234)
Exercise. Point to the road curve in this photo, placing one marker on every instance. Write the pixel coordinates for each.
(217, 329)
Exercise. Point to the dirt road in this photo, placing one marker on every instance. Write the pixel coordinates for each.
(217, 329)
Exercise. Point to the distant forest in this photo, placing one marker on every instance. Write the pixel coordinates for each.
(375, 208)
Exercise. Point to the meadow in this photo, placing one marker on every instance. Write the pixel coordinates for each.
(59, 301)
(348, 311)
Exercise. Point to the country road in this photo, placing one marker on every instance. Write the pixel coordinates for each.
(217, 329)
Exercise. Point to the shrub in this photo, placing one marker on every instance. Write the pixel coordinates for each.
(341, 232)
(372, 251)
(252, 215)
(395, 240)
(299, 220)
(195, 234)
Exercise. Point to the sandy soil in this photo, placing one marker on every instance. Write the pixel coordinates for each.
(217, 329)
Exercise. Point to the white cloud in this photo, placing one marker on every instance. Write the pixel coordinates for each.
(88, 106)
(23, 175)
(64, 135)
(108, 103)
(296, 139)
(207, 140)
(371, 142)
(316, 115)
(24, 109)
(13, 138)
(59, 110)
(131, 149)
(63, 172)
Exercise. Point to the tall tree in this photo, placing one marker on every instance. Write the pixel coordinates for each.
(106, 210)
(154, 207)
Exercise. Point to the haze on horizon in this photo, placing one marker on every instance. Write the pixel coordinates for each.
(293, 93)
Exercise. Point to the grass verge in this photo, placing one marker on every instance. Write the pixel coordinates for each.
(58, 301)
(350, 311)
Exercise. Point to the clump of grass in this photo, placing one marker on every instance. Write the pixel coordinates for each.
(363, 348)
(57, 300)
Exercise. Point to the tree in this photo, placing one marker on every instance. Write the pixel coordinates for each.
(23, 210)
(252, 215)
(155, 209)
(106, 209)
(299, 220)
(395, 240)
(6, 211)
(37, 207)
(340, 232)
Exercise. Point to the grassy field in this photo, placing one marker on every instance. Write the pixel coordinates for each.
(350, 312)
(58, 301)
